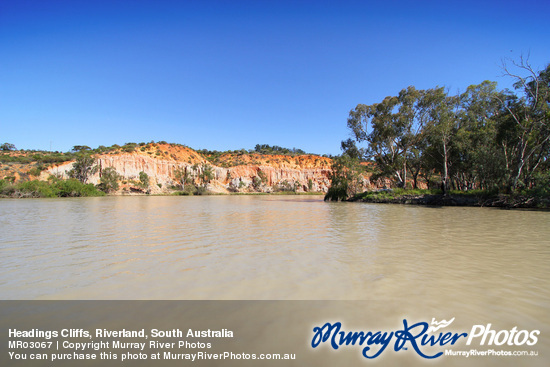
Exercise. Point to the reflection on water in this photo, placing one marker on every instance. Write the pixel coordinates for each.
(274, 247)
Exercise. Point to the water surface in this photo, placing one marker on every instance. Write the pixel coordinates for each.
(481, 261)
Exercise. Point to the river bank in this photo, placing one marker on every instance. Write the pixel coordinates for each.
(74, 188)
(475, 199)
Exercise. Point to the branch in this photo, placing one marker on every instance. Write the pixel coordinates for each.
(524, 65)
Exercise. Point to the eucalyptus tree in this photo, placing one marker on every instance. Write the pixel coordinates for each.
(391, 129)
(183, 176)
(83, 167)
(440, 127)
(482, 138)
(108, 181)
(7, 147)
(477, 160)
(525, 132)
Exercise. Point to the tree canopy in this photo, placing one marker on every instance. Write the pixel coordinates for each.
(83, 168)
(482, 138)
(7, 147)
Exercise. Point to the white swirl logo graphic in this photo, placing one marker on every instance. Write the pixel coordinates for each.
(439, 325)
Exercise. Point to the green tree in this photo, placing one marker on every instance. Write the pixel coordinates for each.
(349, 147)
(391, 128)
(7, 147)
(345, 179)
(525, 132)
(256, 182)
(83, 168)
(206, 175)
(440, 128)
(476, 159)
(263, 177)
(143, 179)
(108, 182)
(183, 176)
(482, 138)
(81, 148)
(284, 185)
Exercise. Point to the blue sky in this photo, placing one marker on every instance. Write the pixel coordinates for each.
(232, 74)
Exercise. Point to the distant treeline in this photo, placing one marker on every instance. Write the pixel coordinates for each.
(258, 149)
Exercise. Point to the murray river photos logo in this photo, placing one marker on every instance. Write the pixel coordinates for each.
(421, 337)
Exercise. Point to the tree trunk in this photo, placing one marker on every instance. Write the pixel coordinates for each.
(405, 174)
(445, 169)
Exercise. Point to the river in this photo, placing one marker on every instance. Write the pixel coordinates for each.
(480, 263)
(268, 247)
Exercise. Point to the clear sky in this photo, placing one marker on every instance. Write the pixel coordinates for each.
(231, 74)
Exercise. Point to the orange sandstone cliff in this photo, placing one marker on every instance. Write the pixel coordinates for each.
(231, 172)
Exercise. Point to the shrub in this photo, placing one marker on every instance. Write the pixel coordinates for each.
(188, 190)
(129, 147)
(256, 182)
(36, 189)
(74, 188)
(35, 171)
(143, 179)
(201, 190)
(56, 188)
(3, 184)
(262, 177)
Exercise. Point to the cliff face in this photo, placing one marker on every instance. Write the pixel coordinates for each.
(263, 173)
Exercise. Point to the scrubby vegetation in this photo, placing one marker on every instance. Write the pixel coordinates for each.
(265, 149)
(231, 158)
(8, 154)
(48, 189)
(193, 180)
